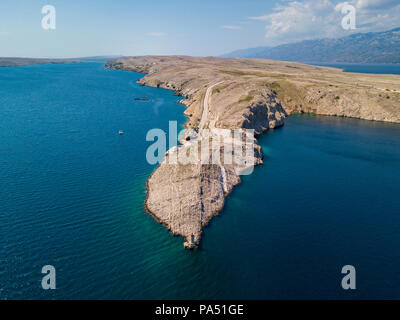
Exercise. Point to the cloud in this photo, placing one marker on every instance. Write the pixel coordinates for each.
(301, 20)
(4, 33)
(156, 34)
(294, 21)
(377, 15)
(231, 27)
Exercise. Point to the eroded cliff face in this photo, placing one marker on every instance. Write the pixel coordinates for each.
(223, 95)
(185, 196)
(264, 113)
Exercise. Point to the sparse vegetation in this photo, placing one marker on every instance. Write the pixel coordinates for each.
(219, 88)
(252, 73)
(275, 85)
(289, 92)
(234, 72)
(247, 98)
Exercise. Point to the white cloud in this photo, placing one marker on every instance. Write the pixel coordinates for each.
(377, 15)
(294, 21)
(156, 34)
(301, 20)
(231, 27)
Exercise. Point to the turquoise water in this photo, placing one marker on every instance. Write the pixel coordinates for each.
(72, 193)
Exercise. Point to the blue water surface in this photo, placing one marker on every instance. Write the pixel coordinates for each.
(72, 193)
(364, 68)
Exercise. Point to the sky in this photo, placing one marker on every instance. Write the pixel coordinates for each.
(190, 27)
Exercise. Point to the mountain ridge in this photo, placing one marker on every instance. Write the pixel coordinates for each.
(370, 47)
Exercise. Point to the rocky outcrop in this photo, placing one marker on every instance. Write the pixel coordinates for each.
(185, 197)
(263, 114)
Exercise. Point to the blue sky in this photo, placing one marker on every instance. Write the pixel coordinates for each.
(100, 27)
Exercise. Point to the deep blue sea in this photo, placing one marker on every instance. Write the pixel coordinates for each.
(72, 192)
(363, 68)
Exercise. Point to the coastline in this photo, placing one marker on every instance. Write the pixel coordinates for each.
(188, 243)
(262, 110)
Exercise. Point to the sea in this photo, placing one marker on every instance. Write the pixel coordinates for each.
(72, 192)
(363, 68)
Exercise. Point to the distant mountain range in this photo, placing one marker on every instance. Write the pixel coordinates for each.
(12, 61)
(373, 47)
(100, 58)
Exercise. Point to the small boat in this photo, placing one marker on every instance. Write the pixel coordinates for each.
(120, 132)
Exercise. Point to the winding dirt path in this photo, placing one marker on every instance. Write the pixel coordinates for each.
(204, 116)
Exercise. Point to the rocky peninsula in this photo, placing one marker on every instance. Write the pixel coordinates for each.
(222, 95)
